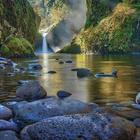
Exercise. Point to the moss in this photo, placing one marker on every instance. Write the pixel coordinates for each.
(72, 49)
(117, 32)
(17, 47)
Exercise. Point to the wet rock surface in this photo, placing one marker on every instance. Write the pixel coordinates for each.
(28, 113)
(31, 91)
(83, 72)
(137, 122)
(8, 135)
(5, 113)
(95, 126)
(7, 125)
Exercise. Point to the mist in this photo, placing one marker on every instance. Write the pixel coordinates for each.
(64, 32)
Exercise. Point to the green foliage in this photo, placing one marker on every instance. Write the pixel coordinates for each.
(73, 49)
(17, 47)
(117, 32)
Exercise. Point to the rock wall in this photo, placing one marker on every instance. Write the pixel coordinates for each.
(17, 19)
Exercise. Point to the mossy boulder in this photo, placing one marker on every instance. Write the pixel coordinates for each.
(17, 19)
(17, 47)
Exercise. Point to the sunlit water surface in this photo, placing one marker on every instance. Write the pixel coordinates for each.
(91, 89)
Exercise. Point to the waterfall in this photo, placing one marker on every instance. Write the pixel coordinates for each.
(44, 44)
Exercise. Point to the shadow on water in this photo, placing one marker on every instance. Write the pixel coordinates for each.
(91, 89)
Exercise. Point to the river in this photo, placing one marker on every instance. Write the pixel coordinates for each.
(90, 89)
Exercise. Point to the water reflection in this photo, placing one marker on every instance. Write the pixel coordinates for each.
(100, 90)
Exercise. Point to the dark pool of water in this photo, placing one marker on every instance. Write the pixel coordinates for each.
(91, 89)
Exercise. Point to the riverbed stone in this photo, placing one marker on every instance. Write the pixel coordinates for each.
(31, 91)
(5, 113)
(32, 112)
(8, 135)
(93, 126)
(137, 122)
(83, 72)
(7, 125)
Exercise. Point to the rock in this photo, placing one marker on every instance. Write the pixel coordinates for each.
(138, 134)
(8, 135)
(75, 69)
(128, 113)
(6, 125)
(61, 62)
(10, 104)
(63, 94)
(51, 72)
(136, 106)
(23, 82)
(31, 112)
(82, 72)
(137, 122)
(138, 98)
(69, 61)
(5, 113)
(93, 126)
(31, 91)
(35, 67)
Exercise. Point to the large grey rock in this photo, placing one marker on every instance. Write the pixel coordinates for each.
(31, 91)
(8, 135)
(137, 122)
(5, 113)
(6, 125)
(82, 72)
(93, 126)
(31, 112)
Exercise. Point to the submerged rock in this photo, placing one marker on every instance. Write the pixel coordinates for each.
(31, 112)
(61, 62)
(69, 61)
(83, 72)
(51, 72)
(35, 67)
(93, 126)
(31, 91)
(5, 113)
(8, 135)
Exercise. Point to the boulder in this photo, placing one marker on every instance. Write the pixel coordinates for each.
(32, 112)
(8, 135)
(5, 113)
(63, 94)
(6, 125)
(138, 98)
(137, 122)
(51, 72)
(82, 72)
(35, 67)
(93, 126)
(31, 91)
(69, 61)
(61, 62)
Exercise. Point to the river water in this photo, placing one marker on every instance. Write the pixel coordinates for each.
(90, 89)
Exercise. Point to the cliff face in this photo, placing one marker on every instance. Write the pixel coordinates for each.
(112, 26)
(50, 11)
(18, 23)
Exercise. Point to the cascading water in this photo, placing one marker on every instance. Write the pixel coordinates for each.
(44, 44)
